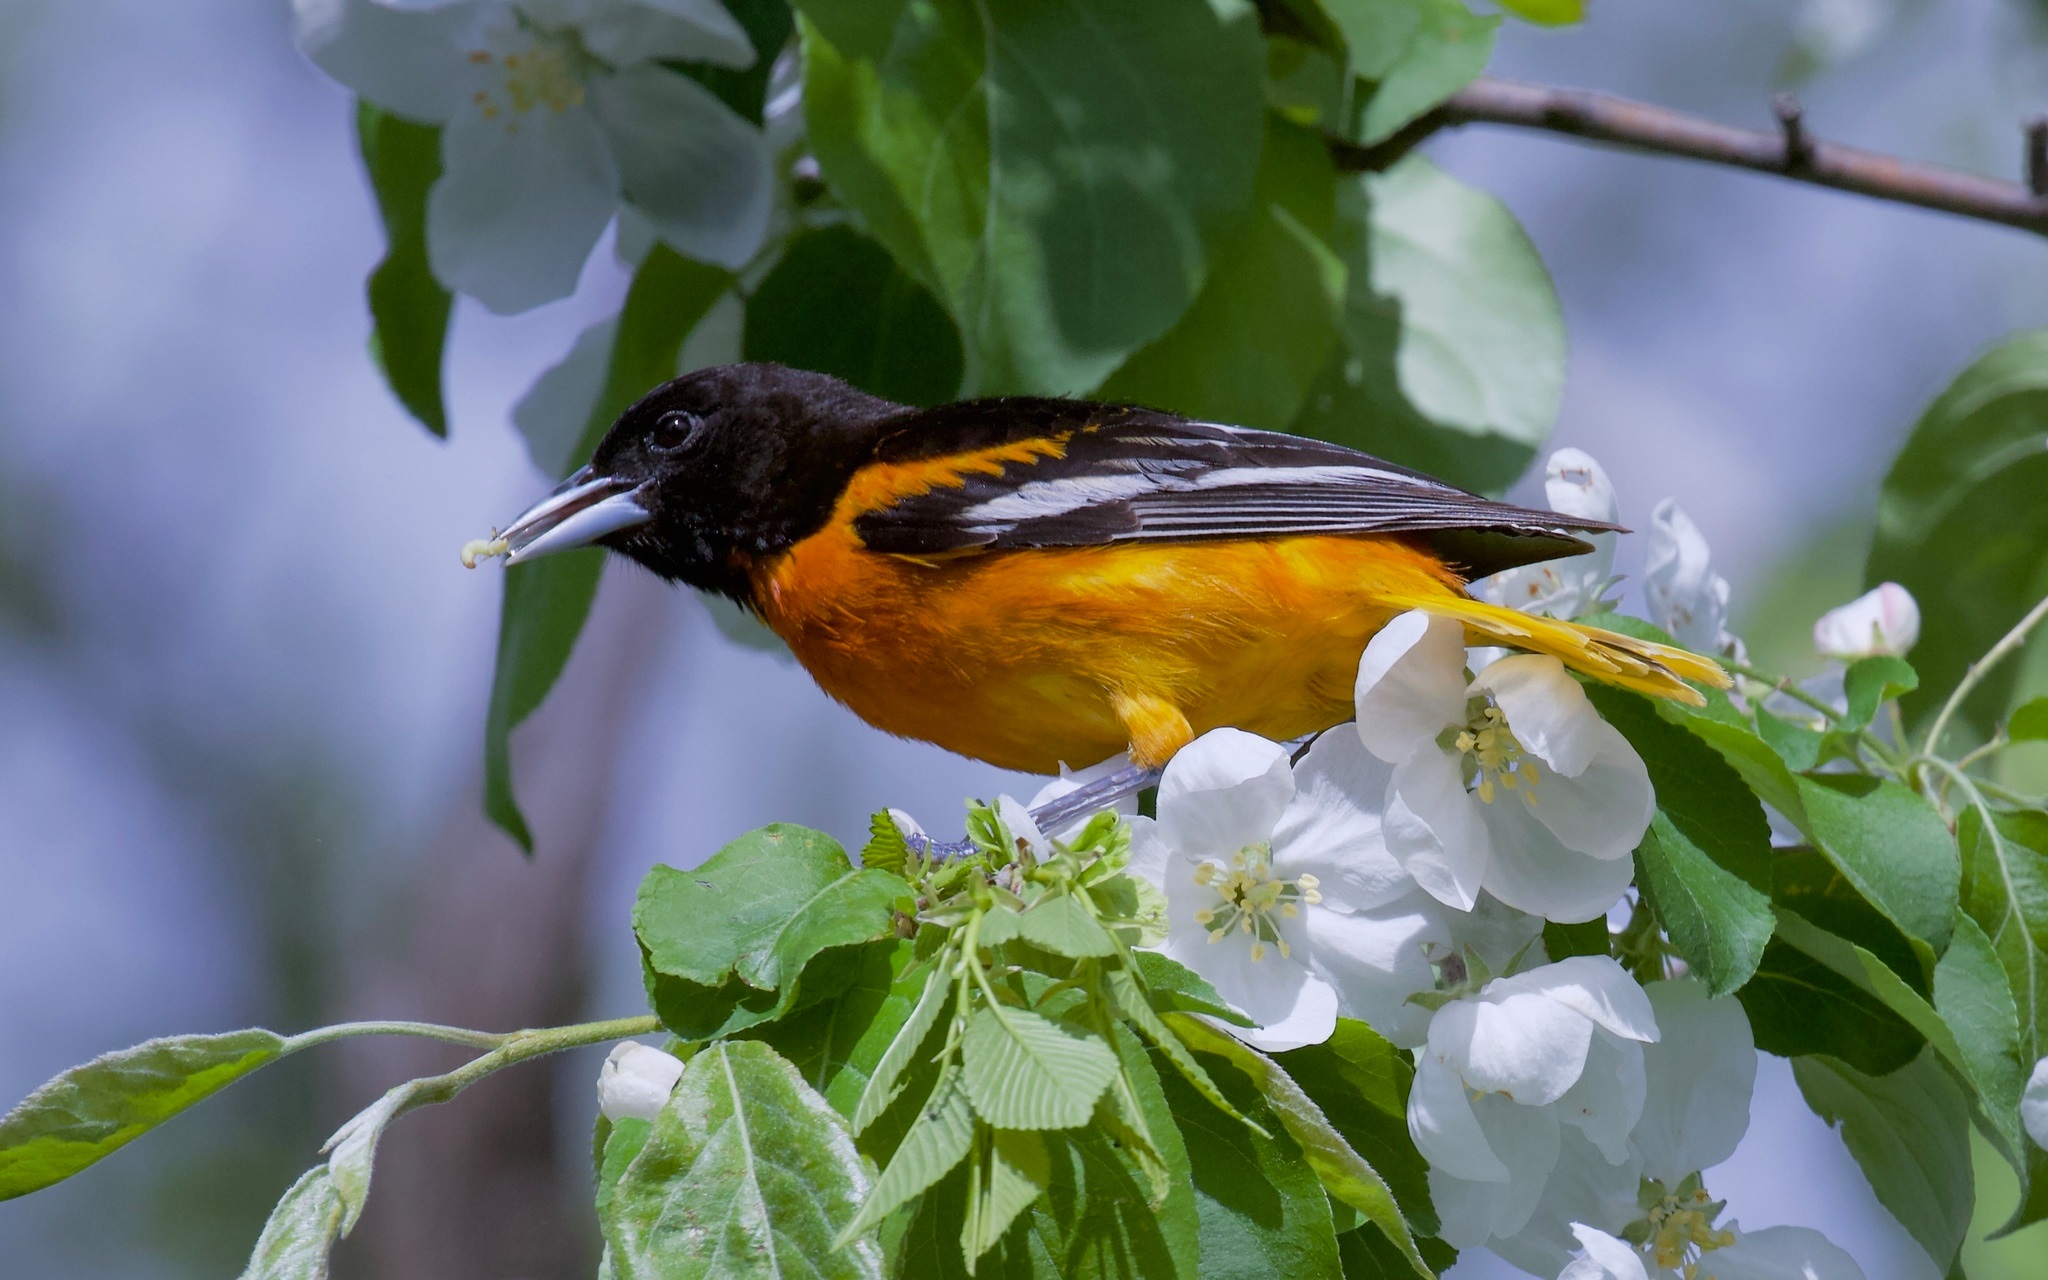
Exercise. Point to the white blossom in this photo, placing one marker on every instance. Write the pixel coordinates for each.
(1686, 597)
(1505, 1070)
(1571, 587)
(552, 111)
(1774, 1253)
(1883, 620)
(635, 1081)
(1509, 782)
(2034, 1104)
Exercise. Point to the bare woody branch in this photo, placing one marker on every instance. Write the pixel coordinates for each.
(1792, 152)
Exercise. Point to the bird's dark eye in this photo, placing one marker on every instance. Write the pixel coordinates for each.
(675, 429)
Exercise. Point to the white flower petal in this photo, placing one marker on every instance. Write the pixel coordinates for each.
(1532, 870)
(627, 31)
(1309, 1020)
(408, 62)
(1526, 1140)
(699, 172)
(1151, 856)
(1411, 685)
(1436, 829)
(1608, 1098)
(1222, 792)
(1577, 485)
(521, 201)
(2034, 1104)
(1548, 711)
(1701, 1072)
(1022, 826)
(555, 410)
(635, 1081)
(1779, 1253)
(1444, 1126)
(1582, 1188)
(1604, 811)
(1594, 986)
(1687, 598)
(1883, 620)
(1375, 960)
(1602, 1257)
(1527, 1047)
(1332, 828)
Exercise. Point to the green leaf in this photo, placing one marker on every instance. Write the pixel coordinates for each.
(1705, 862)
(934, 1147)
(1550, 13)
(547, 600)
(885, 1084)
(1796, 744)
(745, 89)
(1869, 683)
(2005, 890)
(1973, 999)
(1344, 1173)
(1805, 881)
(1057, 184)
(1174, 986)
(1587, 938)
(301, 1231)
(2030, 722)
(622, 1141)
(1010, 1174)
(1062, 924)
(1361, 1083)
(837, 303)
(1261, 1208)
(758, 911)
(1139, 1011)
(1454, 350)
(1025, 1071)
(1797, 1005)
(88, 1112)
(747, 1172)
(837, 1038)
(885, 848)
(408, 307)
(1961, 524)
(1891, 845)
(1256, 338)
(1910, 1131)
(1418, 52)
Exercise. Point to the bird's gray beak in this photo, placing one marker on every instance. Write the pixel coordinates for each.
(582, 509)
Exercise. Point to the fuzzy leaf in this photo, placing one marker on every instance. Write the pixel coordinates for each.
(1025, 1071)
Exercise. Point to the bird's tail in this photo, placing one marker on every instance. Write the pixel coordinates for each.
(1646, 667)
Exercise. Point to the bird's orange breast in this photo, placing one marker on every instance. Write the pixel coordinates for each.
(1030, 658)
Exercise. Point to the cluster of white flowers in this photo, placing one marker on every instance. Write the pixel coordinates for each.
(555, 115)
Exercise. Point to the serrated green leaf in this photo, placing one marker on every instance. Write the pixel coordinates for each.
(1345, 1174)
(1910, 1132)
(1797, 1005)
(935, 1145)
(2030, 722)
(1961, 524)
(1361, 1083)
(1805, 881)
(1174, 986)
(301, 1231)
(1025, 1071)
(88, 1112)
(1251, 345)
(1138, 1009)
(547, 601)
(885, 849)
(1062, 924)
(1796, 744)
(1057, 185)
(1453, 352)
(1012, 1171)
(2005, 890)
(408, 307)
(623, 1140)
(1261, 1209)
(837, 303)
(1717, 923)
(855, 1001)
(1417, 53)
(1891, 845)
(1869, 683)
(1974, 1000)
(747, 1172)
(1587, 938)
(885, 1084)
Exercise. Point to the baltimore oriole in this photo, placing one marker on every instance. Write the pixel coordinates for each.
(1035, 581)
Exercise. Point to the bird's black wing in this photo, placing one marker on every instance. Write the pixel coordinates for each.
(1113, 474)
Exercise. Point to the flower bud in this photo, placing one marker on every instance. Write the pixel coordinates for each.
(1885, 620)
(635, 1081)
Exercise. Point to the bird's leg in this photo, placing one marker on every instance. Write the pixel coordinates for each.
(1084, 801)
(1157, 727)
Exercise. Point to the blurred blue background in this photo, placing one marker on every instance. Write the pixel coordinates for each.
(242, 675)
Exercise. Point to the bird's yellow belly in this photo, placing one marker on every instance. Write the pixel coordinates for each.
(1027, 659)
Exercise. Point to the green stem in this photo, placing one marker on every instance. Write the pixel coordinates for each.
(1784, 685)
(1997, 653)
(518, 1047)
(424, 1030)
(1998, 743)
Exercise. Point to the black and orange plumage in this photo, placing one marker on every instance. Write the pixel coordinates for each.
(1034, 581)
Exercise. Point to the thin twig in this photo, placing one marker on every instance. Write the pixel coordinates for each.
(2007, 643)
(1792, 152)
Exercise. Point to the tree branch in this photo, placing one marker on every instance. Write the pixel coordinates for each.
(1792, 152)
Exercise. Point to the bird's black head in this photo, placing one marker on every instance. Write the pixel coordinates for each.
(711, 473)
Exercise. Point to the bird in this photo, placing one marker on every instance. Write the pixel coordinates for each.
(1042, 582)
